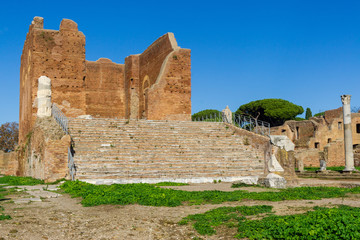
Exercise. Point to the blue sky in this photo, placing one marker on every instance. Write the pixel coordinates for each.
(307, 52)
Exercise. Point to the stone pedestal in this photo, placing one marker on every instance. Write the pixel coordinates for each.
(44, 97)
(349, 155)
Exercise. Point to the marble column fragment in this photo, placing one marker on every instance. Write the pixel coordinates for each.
(44, 97)
(348, 143)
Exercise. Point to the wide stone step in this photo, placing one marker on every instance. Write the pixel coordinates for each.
(116, 149)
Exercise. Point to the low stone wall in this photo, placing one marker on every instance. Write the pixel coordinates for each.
(285, 158)
(309, 157)
(44, 153)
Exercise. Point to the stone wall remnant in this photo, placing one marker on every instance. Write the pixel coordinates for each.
(321, 135)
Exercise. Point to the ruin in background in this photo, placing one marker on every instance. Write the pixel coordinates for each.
(322, 138)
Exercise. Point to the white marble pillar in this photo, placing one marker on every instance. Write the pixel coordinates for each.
(348, 143)
(44, 97)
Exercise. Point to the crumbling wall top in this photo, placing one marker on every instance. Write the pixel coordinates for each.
(38, 22)
(330, 115)
(68, 25)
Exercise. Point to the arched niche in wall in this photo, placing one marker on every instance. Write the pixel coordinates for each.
(145, 88)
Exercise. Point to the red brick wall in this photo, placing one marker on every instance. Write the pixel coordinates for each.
(42, 157)
(170, 98)
(105, 96)
(132, 86)
(150, 63)
(103, 88)
(331, 114)
(59, 55)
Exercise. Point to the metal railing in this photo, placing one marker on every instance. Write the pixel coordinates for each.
(62, 120)
(71, 164)
(241, 121)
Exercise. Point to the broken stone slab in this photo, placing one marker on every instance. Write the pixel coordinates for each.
(85, 117)
(273, 180)
(27, 200)
(38, 187)
(274, 165)
(282, 142)
(249, 180)
(43, 194)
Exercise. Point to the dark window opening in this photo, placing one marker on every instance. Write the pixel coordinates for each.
(297, 132)
(283, 130)
(339, 125)
(358, 128)
(329, 140)
(317, 145)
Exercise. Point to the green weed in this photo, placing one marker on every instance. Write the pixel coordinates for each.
(342, 222)
(204, 223)
(170, 184)
(17, 181)
(150, 195)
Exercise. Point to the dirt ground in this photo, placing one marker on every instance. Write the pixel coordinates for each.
(63, 217)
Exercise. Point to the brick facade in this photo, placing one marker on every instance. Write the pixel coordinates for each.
(155, 84)
(323, 136)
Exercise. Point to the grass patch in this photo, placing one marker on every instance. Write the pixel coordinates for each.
(338, 169)
(14, 181)
(341, 222)
(239, 185)
(170, 184)
(17, 181)
(204, 223)
(150, 195)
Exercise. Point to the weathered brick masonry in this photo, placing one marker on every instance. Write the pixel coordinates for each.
(142, 110)
(322, 138)
(153, 85)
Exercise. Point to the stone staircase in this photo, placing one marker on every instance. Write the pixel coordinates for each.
(122, 151)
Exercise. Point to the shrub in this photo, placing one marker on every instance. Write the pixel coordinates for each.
(319, 114)
(9, 134)
(274, 111)
(206, 114)
(308, 114)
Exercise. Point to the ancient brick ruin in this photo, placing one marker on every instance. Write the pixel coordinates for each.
(322, 138)
(155, 84)
(139, 128)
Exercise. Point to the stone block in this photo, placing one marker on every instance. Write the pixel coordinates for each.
(273, 180)
(282, 142)
(250, 180)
